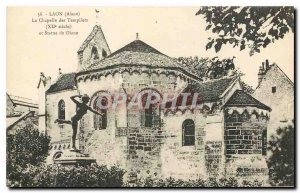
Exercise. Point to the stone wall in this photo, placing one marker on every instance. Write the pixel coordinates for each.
(214, 146)
(60, 132)
(144, 150)
(178, 161)
(281, 101)
(245, 141)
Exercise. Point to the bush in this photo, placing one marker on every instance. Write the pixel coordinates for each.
(210, 182)
(26, 152)
(71, 176)
(281, 162)
(25, 149)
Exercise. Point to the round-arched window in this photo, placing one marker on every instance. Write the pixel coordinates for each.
(61, 110)
(188, 133)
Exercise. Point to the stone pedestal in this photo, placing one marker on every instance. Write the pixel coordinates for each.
(75, 157)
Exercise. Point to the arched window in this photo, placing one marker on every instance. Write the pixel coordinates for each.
(188, 133)
(61, 110)
(100, 122)
(104, 54)
(151, 115)
(95, 54)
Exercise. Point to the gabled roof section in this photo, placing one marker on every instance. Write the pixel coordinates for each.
(22, 101)
(138, 54)
(211, 91)
(9, 98)
(134, 54)
(13, 120)
(96, 29)
(272, 66)
(289, 80)
(136, 46)
(64, 82)
(242, 99)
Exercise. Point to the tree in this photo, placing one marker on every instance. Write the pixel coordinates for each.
(26, 152)
(27, 147)
(252, 27)
(214, 68)
(281, 162)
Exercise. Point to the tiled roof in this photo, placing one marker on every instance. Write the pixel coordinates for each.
(64, 82)
(211, 90)
(136, 46)
(136, 53)
(240, 98)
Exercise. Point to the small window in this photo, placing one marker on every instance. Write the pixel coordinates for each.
(188, 133)
(150, 116)
(95, 54)
(235, 117)
(104, 54)
(100, 122)
(61, 110)
(264, 142)
(273, 89)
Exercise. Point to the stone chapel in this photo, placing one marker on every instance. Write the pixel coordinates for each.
(226, 135)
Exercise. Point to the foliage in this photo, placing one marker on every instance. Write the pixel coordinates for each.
(72, 176)
(210, 182)
(27, 150)
(213, 69)
(281, 162)
(247, 88)
(252, 27)
(26, 147)
(208, 68)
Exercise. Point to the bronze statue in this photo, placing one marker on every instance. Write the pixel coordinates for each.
(81, 109)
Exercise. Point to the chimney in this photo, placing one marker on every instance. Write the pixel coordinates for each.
(267, 65)
(261, 73)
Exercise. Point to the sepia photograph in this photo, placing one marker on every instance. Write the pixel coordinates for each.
(156, 97)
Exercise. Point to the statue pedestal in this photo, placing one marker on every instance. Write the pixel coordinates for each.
(75, 157)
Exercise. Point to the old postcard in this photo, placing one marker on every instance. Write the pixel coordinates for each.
(150, 97)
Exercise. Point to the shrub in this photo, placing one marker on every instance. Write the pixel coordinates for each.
(281, 162)
(210, 182)
(25, 149)
(71, 176)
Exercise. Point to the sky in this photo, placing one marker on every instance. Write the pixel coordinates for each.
(174, 31)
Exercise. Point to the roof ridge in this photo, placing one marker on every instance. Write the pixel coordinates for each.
(284, 73)
(122, 49)
(227, 77)
(275, 65)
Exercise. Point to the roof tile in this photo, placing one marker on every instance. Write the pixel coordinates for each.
(211, 90)
(64, 82)
(240, 98)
